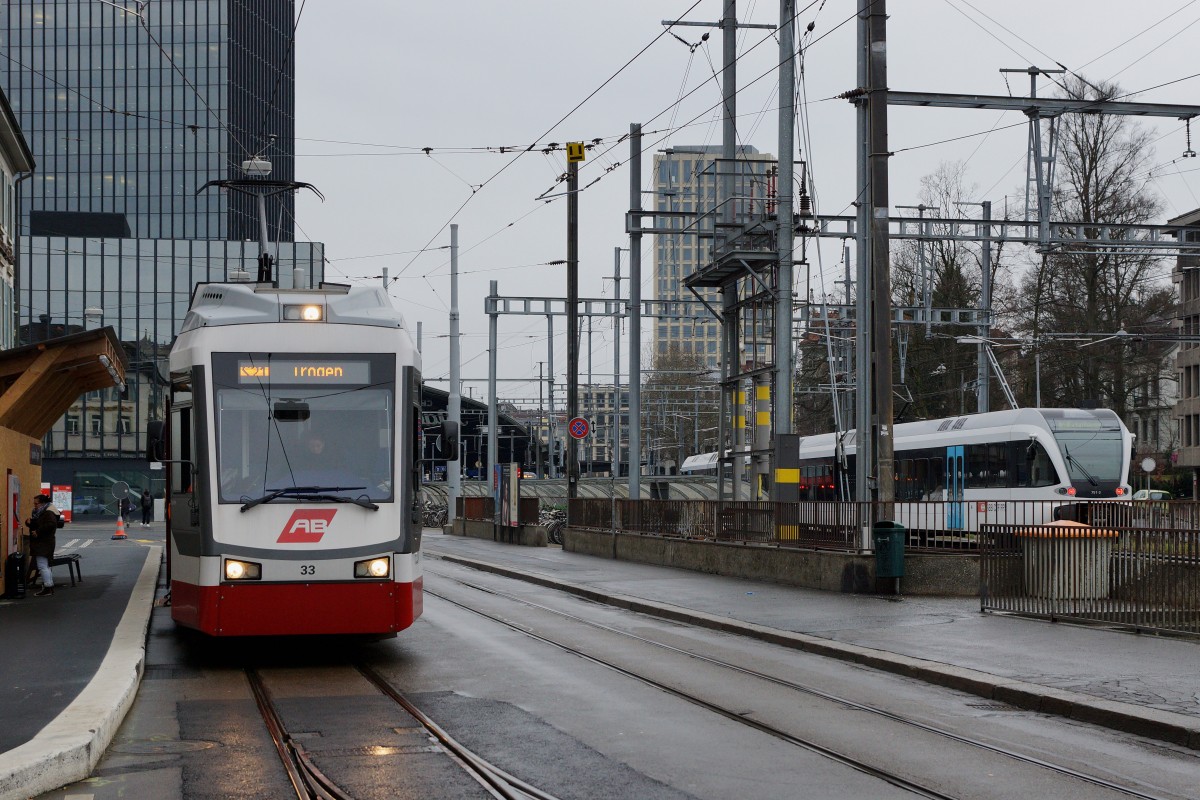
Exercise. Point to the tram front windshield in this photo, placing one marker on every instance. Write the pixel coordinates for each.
(1092, 448)
(324, 422)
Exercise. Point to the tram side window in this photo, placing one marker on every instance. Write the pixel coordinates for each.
(181, 448)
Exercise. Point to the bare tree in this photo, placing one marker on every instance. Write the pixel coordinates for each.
(1101, 164)
(680, 407)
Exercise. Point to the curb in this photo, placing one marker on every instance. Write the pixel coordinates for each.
(68, 749)
(1152, 723)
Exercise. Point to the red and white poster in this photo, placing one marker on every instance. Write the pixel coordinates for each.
(61, 497)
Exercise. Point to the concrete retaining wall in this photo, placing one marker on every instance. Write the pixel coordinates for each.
(954, 575)
(526, 535)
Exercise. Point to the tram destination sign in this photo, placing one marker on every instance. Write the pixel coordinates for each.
(309, 371)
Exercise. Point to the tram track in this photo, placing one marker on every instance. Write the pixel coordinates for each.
(784, 683)
(310, 783)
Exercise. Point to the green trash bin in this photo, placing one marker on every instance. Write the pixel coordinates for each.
(889, 549)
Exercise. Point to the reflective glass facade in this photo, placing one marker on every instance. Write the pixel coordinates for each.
(132, 115)
(129, 114)
(141, 287)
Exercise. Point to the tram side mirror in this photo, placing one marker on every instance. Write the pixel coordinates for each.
(156, 445)
(449, 443)
(290, 411)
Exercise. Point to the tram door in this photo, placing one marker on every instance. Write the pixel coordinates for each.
(955, 478)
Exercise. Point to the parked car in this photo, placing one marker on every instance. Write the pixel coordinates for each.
(87, 505)
(1151, 508)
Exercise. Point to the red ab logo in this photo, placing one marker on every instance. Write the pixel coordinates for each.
(306, 527)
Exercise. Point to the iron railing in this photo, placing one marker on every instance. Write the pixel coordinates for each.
(930, 526)
(1144, 578)
(1134, 564)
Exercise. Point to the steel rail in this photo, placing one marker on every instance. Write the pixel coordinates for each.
(1031, 760)
(805, 744)
(307, 780)
(500, 783)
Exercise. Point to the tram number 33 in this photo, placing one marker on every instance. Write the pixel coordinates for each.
(308, 569)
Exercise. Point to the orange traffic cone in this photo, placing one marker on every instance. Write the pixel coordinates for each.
(120, 534)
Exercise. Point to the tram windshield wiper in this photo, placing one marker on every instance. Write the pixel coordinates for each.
(335, 498)
(311, 493)
(1079, 465)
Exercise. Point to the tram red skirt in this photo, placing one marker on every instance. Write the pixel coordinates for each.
(296, 609)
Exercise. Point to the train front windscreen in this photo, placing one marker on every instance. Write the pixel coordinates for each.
(317, 422)
(1092, 445)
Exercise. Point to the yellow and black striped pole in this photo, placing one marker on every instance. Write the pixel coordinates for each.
(787, 483)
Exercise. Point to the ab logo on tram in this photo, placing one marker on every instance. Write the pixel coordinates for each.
(306, 526)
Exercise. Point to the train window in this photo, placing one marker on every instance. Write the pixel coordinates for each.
(997, 466)
(977, 466)
(1041, 469)
(1032, 465)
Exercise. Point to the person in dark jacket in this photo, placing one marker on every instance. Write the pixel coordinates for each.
(147, 508)
(43, 524)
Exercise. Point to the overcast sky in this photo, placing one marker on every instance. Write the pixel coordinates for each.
(378, 80)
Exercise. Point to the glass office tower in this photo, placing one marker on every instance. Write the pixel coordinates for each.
(129, 112)
(687, 178)
(128, 116)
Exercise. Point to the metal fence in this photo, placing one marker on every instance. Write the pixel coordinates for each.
(930, 526)
(1134, 564)
(1146, 578)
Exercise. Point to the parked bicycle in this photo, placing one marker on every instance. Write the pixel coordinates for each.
(433, 515)
(554, 520)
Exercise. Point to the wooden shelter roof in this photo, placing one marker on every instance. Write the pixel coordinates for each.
(40, 381)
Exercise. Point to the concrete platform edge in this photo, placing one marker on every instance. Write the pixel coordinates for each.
(68, 749)
(1151, 723)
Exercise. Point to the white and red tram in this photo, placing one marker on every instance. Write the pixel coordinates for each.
(292, 445)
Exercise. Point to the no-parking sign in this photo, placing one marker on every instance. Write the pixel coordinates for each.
(579, 428)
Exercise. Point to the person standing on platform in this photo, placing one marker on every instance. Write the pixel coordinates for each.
(147, 508)
(43, 524)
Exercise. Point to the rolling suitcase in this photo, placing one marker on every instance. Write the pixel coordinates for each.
(14, 576)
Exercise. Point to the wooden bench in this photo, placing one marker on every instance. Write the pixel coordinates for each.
(72, 562)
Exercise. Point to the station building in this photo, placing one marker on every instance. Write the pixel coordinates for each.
(38, 381)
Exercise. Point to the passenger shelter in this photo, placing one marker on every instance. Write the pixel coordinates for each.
(38, 383)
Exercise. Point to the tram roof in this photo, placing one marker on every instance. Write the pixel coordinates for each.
(215, 304)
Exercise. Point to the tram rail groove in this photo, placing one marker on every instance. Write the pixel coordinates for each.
(310, 783)
(307, 780)
(505, 785)
(992, 748)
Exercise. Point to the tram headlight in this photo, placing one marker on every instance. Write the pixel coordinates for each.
(242, 570)
(373, 568)
(304, 313)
